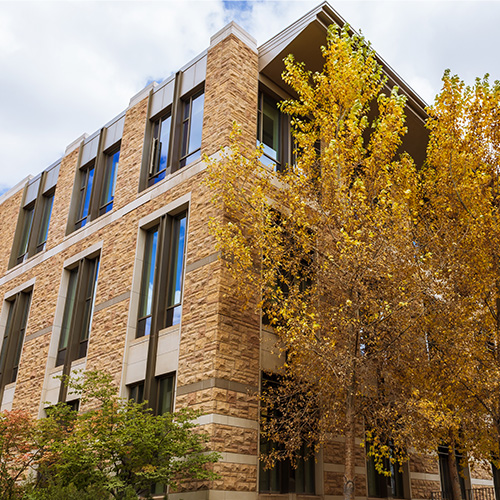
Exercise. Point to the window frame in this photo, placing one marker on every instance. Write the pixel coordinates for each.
(283, 474)
(30, 221)
(187, 155)
(87, 199)
(78, 314)
(176, 157)
(13, 337)
(161, 271)
(284, 154)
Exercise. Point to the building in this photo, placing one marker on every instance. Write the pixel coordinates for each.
(107, 263)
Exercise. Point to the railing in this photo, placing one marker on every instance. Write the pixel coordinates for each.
(473, 494)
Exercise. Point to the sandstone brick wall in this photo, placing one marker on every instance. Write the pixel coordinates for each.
(9, 212)
(231, 92)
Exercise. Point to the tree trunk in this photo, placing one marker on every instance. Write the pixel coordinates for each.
(350, 447)
(454, 477)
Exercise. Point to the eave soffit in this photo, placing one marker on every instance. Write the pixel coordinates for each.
(304, 38)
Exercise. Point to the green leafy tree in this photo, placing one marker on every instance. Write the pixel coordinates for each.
(119, 447)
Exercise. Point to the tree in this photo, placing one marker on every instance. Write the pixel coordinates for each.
(329, 244)
(17, 451)
(118, 447)
(460, 234)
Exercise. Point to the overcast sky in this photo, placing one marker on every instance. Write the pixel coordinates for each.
(68, 67)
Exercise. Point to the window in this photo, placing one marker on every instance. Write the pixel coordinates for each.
(13, 338)
(136, 392)
(173, 134)
(160, 300)
(270, 132)
(84, 194)
(109, 182)
(27, 223)
(192, 123)
(47, 203)
(95, 184)
(34, 216)
(445, 473)
(78, 309)
(284, 477)
(382, 486)
(165, 400)
(158, 159)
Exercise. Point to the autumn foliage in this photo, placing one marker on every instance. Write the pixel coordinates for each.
(381, 281)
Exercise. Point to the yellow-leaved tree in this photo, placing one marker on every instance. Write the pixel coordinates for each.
(329, 245)
(459, 234)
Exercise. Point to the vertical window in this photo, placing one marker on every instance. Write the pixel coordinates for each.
(27, 224)
(284, 477)
(78, 309)
(47, 202)
(165, 401)
(192, 123)
(158, 160)
(269, 131)
(160, 300)
(147, 283)
(34, 216)
(95, 182)
(445, 474)
(84, 195)
(382, 486)
(136, 392)
(109, 182)
(13, 338)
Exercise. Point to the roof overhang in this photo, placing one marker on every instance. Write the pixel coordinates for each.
(304, 39)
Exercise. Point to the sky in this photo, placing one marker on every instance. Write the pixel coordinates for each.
(68, 67)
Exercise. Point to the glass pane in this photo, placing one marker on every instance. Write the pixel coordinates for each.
(48, 201)
(177, 261)
(196, 123)
(90, 287)
(27, 223)
(8, 327)
(270, 128)
(185, 133)
(88, 192)
(68, 309)
(26, 298)
(165, 394)
(137, 392)
(164, 140)
(108, 189)
(148, 275)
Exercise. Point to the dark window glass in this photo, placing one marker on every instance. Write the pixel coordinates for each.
(26, 233)
(78, 310)
(109, 182)
(445, 476)
(192, 125)
(165, 394)
(159, 150)
(147, 283)
(268, 131)
(284, 477)
(380, 485)
(13, 338)
(136, 392)
(48, 201)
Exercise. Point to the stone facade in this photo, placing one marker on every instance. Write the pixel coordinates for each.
(215, 351)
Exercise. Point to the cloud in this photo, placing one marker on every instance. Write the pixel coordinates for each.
(68, 67)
